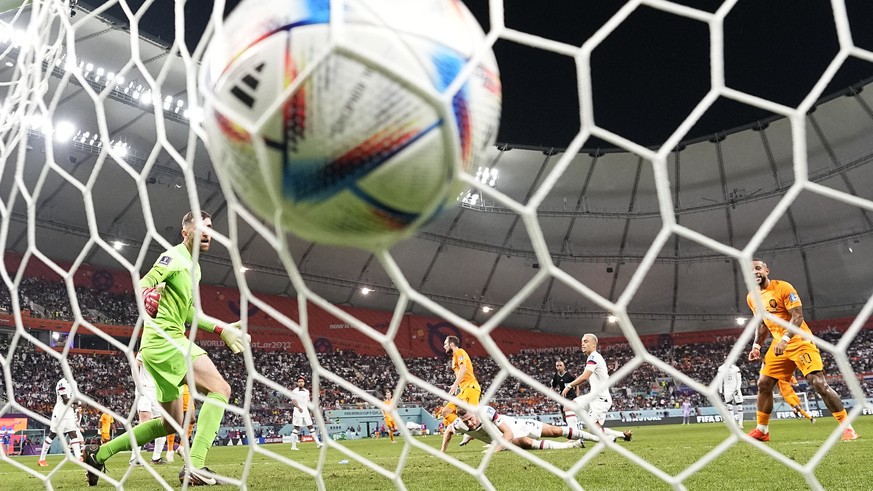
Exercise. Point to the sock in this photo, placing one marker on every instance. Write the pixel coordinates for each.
(571, 418)
(159, 448)
(318, 440)
(46, 445)
(171, 442)
(763, 422)
(738, 413)
(207, 427)
(76, 445)
(803, 413)
(550, 445)
(571, 433)
(295, 437)
(143, 433)
(588, 436)
(611, 432)
(840, 416)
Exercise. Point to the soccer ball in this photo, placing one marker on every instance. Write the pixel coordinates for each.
(338, 125)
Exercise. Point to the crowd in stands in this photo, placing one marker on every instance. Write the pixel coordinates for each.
(49, 299)
(107, 378)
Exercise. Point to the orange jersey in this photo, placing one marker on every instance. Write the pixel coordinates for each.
(778, 298)
(106, 421)
(386, 414)
(461, 358)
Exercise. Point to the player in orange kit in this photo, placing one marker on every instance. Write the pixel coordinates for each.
(106, 421)
(465, 386)
(389, 419)
(787, 352)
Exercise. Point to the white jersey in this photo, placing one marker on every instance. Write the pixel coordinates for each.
(301, 397)
(519, 427)
(63, 391)
(599, 376)
(480, 433)
(64, 420)
(731, 383)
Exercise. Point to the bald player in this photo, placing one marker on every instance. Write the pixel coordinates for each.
(597, 376)
(787, 353)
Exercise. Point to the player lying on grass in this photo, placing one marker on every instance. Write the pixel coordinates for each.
(523, 433)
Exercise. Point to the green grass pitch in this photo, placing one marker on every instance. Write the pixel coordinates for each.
(670, 448)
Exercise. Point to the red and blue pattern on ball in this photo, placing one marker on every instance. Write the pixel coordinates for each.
(317, 180)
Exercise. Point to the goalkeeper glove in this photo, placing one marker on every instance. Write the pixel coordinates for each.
(151, 297)
(233, 337)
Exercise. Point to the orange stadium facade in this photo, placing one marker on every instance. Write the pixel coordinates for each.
(417, 336)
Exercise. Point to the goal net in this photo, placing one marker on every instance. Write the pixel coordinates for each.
(138, 143)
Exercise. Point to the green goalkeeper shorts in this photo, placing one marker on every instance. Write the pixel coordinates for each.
(167, 365)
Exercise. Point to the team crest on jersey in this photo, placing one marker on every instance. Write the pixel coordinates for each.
(792, 297)
(165, 260)
(773, 303)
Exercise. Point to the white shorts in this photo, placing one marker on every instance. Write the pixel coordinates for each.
(301, 418)
(148, 404)
(526, 427)
(63, 424)
(735, 397)
(596, 409)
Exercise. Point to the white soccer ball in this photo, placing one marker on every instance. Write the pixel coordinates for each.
(340, 128)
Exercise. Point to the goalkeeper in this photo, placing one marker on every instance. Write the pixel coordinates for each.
(168, 298)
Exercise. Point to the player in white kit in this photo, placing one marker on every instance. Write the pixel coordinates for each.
(147, 408)
(597, 376)
(300, 399)
(523, 433)
(730, 390)
(64, 422)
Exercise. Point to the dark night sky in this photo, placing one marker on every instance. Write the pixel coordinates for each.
(649, 73)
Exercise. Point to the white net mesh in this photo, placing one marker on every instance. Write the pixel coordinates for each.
(50, 78)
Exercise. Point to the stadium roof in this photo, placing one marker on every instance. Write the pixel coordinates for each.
(598, 221)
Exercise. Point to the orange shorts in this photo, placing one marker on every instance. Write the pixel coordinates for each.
(389, 423)
(470, 394)
(803, 355)
(104, 437)
(450, 412)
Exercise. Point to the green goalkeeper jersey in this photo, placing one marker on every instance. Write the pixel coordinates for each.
(176, 307)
